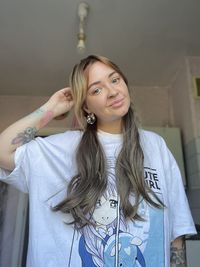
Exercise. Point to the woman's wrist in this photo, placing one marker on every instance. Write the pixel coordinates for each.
(43, 115)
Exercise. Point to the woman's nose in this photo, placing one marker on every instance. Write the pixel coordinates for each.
(112, 91)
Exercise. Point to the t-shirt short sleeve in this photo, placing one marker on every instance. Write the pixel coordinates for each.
(43, 158)
(179, 212)
(17, 177)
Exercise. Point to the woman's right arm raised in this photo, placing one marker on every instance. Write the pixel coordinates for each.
(24, 130)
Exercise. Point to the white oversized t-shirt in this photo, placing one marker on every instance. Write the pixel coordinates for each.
(44, 168)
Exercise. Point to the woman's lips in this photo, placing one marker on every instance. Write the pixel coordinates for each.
(117, 103)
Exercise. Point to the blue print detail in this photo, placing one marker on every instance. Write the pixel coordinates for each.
(129, 252)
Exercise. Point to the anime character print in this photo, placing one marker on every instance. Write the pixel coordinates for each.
(109, 242)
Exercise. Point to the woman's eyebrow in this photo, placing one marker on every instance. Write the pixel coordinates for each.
(111, 74)
(97, 82)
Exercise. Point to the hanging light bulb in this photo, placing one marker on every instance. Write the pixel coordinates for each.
(81, 41)
(82, 13)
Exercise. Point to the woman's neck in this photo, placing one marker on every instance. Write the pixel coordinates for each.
(113, 127)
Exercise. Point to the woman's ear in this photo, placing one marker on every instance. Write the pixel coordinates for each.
(85, 108)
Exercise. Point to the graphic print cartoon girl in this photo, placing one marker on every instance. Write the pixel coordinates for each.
(97, 244)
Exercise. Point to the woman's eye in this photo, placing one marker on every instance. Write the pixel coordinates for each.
(96, 91)
(116, 80)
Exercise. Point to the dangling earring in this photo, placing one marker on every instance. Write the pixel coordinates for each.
(91, 118)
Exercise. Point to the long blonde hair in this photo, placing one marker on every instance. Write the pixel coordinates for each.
(90, 182)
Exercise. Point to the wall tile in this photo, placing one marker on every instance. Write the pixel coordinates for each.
(193, 164)
(194, 181)
(192, 148)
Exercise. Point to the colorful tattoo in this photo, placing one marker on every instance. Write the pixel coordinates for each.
(25, 137)
(30, 132)
(38, 111)
(178, 257)
(48, 116)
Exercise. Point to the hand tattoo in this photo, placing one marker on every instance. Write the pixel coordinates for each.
(25, 137)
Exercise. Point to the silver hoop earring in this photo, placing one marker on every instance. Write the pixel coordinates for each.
(91, 118)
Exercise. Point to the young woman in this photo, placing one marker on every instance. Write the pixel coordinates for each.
(106, 195)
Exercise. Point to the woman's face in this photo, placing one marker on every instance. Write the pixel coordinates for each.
(107, 97)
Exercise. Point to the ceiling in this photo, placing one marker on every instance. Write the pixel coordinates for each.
(146, 38)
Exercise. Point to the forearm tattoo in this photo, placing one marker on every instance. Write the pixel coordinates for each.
(25, 137)
(30, 132)
(47, 116)
(38, 111)
(178, 256)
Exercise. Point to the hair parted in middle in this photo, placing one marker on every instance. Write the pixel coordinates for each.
(87, 187)
(79, 83)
